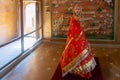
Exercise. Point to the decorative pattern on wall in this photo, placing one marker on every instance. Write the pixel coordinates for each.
(97, 15)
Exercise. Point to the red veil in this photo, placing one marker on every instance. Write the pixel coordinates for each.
(76, 57)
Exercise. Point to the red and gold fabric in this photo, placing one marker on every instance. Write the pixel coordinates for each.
(76, 57)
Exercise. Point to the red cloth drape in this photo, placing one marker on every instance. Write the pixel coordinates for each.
(75, 49)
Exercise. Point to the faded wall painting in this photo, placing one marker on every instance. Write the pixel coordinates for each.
(97, 15)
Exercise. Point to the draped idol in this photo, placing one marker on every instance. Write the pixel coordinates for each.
(77, 57)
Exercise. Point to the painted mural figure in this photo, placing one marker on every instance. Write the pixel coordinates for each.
(77, 57)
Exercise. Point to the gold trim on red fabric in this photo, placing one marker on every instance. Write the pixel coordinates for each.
(79, 36)
(72, 63)
(82, 69)
(68, 43)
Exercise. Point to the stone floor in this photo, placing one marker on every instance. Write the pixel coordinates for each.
(41, 63)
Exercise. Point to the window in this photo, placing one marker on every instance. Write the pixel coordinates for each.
(16, 38)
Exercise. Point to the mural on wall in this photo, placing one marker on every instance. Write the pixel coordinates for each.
(97, 15)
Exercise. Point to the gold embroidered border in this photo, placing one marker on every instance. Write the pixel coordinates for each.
(68, 43)
(72, 63)
(83, 68)
(79, 36)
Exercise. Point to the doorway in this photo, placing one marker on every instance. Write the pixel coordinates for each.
(31, 22)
